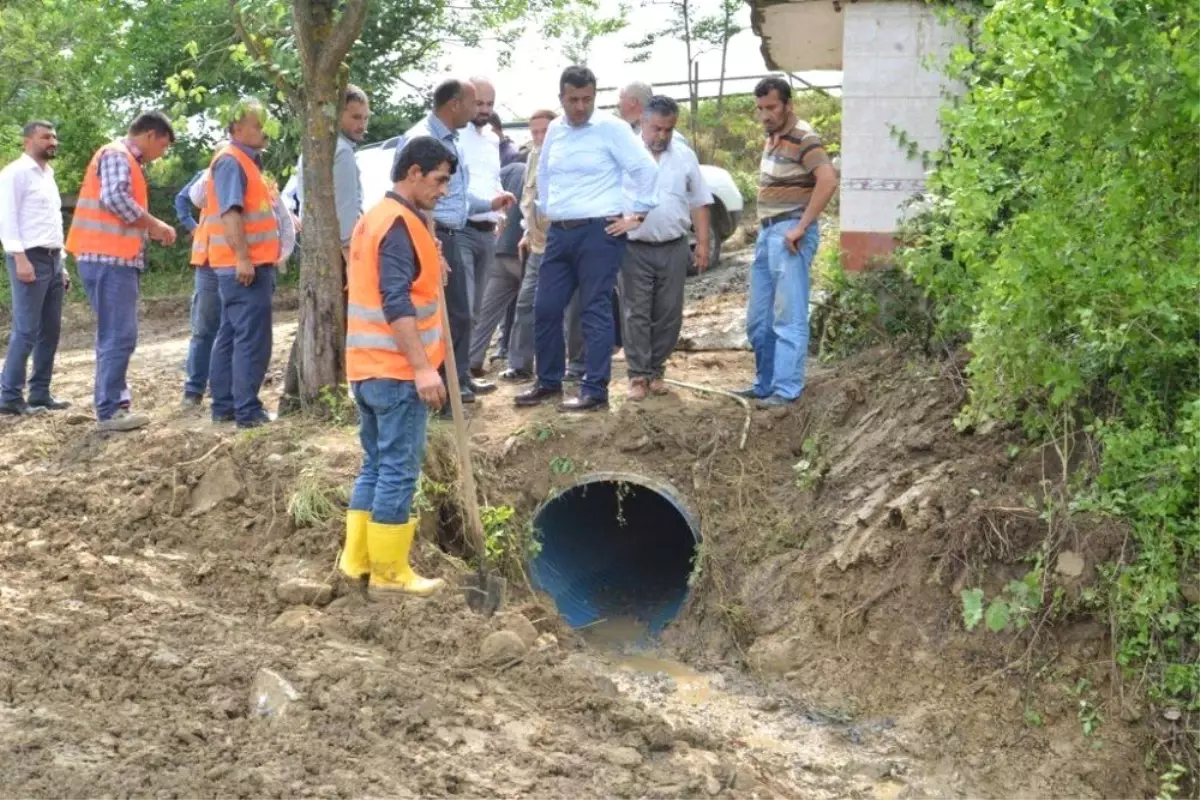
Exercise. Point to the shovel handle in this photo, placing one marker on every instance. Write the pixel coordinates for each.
(468, 497)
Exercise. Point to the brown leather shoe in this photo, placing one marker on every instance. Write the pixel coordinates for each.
(478, 372)
(637, 390)
(659, 386)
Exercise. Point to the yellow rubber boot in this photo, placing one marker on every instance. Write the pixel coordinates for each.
(389, 547)
(354, 562)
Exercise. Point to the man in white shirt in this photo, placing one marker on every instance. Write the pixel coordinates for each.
(480, 150)
(657, 256)
(31, 230)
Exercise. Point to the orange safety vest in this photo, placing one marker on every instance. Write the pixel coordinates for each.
(209, 245)
(94, 229)
(371, 349)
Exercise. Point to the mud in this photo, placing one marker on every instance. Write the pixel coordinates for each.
(148, 580)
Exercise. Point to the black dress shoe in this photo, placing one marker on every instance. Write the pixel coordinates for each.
(516, 375)
(536, 395)
(465, 394)
(48, 403)
(15, 409)
(480, 387)
(583, 403)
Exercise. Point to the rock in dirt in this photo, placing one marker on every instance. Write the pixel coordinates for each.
(304, 592)
(501, 647)
(712, 785)
(1069, 564)
(271, 694)
(623, 756)
(219, 484)
(547, 641)
(518, 624)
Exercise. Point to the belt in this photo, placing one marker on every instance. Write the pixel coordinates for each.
(486, 227)
(769, 221)
(446, 229)
(676, 240)
(576, 223)
(44, 249)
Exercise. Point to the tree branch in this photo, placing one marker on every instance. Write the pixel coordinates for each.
(345, 32)
(262, 56)
(302, 24)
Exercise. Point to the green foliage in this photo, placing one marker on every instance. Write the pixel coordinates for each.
(811, 467)
(1062, 237)
(1012, 607)
(560, 465)
(857, 310)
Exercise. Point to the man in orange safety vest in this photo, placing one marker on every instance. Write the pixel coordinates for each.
(394, 346)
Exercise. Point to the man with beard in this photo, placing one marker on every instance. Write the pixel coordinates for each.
(796, 181)
(657, 255)
(481, 156)
(31, 229)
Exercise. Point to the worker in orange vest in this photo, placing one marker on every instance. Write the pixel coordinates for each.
(239, 239)
(394, 346)
(108, 236)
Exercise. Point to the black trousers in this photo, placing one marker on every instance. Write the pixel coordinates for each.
(458, 306)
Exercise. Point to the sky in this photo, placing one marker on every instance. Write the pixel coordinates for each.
(530, 81)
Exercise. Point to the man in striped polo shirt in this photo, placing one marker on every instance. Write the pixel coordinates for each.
(796, 181)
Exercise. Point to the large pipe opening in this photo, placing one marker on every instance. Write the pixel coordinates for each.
(615, 547)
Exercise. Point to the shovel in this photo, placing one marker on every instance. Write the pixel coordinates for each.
(484, 591)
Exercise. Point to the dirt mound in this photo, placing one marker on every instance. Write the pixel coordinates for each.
(836, 547)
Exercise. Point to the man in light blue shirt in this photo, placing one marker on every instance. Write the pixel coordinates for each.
(580, 190)
(453, 108)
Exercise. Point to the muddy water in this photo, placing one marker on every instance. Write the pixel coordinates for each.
(826, 757)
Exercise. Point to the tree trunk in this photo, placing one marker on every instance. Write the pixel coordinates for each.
(725, 37)
(319, 359)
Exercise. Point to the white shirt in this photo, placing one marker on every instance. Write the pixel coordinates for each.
(581, 168)
(480, 149)
(680, 188)
(30, 207)
(283, 215)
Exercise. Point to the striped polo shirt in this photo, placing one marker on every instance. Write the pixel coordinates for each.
(785, 179)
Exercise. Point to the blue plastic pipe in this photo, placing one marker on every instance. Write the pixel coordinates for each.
(615, 545)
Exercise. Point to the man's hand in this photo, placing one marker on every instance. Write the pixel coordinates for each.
(523, 248)
(25, 273)
(245, 272)
(162, 233)
(622, 225)
(502, 201)
(66, 280)
(700, 256)
(792, 238)
(430, 388)
(296, 224)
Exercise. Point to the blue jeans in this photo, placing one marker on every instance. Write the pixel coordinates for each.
(391, 428)
(206, 322)
(584, 258)
(777, 312)
(242, 350)
(113, 293)
(36, 323)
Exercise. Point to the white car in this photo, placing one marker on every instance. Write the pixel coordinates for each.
(375, 167)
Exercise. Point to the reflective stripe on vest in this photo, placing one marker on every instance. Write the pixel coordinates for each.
(259, 225)
(94, 229)
(371, 347)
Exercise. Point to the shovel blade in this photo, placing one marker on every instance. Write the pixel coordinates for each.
(485, 594)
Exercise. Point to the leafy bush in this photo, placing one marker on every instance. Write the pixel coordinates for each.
(1063, 236)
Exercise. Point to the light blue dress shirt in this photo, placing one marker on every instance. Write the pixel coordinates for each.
(581, 168)
(458, 203)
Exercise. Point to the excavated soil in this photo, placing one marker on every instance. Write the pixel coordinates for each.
(154, 587)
